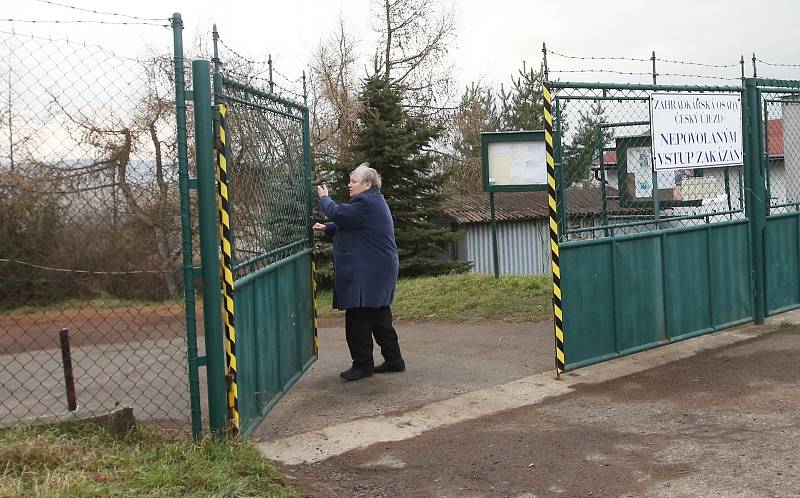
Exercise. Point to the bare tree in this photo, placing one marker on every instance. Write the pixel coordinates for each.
(148, 187)
(476, 113)
(334, 100)
(415, 42)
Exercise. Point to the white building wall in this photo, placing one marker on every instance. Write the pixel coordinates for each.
(523, 247)
(791, 151)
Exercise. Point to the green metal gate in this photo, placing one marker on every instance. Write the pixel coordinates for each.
(646, 258)
(264, 140)
(778, 126)
(255, 201)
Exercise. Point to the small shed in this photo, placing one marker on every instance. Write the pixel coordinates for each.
(523, 230)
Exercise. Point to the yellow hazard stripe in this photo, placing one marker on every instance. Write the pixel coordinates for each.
(552, 202)
(226, 245)
(314, 298)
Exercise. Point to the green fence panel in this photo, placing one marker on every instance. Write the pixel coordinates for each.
(626, 294)
(640, 304)
(274, 316)
(782, 258)
(687, 282)
(647, 257)
(589, 292)
(731, 288)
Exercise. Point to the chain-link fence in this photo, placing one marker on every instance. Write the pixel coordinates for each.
(781, 122)
(90, 234)
(270, 202)
(606, 180)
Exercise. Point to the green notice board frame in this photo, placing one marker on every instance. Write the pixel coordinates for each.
(511, 137)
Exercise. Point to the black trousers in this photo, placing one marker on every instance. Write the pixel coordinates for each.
(360, 324)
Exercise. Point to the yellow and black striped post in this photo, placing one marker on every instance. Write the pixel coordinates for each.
(551, 200)
(227, 274)
(314, 298)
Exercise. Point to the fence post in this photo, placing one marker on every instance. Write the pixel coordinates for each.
(209, 255)
(495, 257)
(66, 360)
(756, 199)
(186, 227)
(558, 325)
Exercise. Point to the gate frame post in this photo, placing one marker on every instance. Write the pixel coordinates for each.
(209, 243)
(552, 197)
(186, 228)
(756, 198)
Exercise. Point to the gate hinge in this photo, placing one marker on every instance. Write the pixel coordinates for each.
(202, 361)
(193, 183)
(189, 94)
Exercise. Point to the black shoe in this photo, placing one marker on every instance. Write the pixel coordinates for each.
(355, 374)
(391, 366)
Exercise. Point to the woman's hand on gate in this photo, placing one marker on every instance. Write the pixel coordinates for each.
(322, 191)
(319, 226)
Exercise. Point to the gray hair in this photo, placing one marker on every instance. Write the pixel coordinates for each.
(364, 173)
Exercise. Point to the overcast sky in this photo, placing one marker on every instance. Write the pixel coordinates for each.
(494, 37)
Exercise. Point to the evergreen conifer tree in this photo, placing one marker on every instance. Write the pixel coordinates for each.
(584, 148)
(395, 143)
(522, 107)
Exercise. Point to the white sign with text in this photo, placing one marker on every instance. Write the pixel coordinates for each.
(696, 130)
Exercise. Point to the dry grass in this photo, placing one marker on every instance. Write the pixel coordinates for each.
(67, 461)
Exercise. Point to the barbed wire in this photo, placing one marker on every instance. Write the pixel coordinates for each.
(634, 59)
(88, 272)
(49, 2)
(243, 76)
(59, 192)
(724, 78)
(611, 71)
(81, 44)
(290, 92)
(85, 21)
(634, 73)
(701, 64)
(237, 54)
(265, 81)
(774, 64)
(295, 81)
(271, 82)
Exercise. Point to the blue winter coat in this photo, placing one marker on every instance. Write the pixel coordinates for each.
(365, 262)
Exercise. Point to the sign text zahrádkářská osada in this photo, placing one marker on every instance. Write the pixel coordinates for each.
(697, 130)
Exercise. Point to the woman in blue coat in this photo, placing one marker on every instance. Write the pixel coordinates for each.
(365, 265)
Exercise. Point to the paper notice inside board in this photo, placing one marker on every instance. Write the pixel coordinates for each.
(517, 163)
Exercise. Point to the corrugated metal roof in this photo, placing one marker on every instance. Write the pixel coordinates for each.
(529, 205)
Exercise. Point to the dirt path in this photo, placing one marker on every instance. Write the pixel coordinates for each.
(90, 326)
(723, 423)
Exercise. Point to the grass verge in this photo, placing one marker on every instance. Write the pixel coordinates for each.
(513, 298)
(65, 460)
